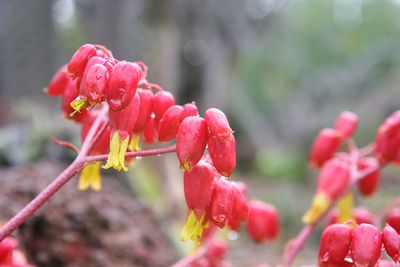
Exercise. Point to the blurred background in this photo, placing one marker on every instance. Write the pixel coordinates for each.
(281, 70)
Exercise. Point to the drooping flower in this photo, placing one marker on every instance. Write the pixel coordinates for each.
(78, 62)
(391, 242)
(334, 245)
(122, 85)
(191, 141)
(325, 145)
(332, 181)
(121, 125)
(58, 83)
(346, 124)
(198, 189)
(169, 123)
(161, 102)
(387, 140)
(366, 245)
(262, 221)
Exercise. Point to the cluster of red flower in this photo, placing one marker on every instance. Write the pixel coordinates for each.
(346, 245)
(337, 169)
(94, 76)
(10, 256)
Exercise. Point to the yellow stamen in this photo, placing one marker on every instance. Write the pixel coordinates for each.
(134, 145)
(90, 177)
(186, 166)
(78, 104)
(319, 205)
(345, 205)
(193, 228)
(116, 157)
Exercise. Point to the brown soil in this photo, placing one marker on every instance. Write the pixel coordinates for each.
(109, 228)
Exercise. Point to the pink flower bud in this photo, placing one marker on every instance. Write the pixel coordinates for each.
(123, 83)
(262, 221)
(223, 154)
(161, 102)
(334, 245)
(149, 133)
(391, 241)
(222, 202)
(325, 145)
(191, 141)
(387, 140)
(370, 183)
(218, 125)
(346, 124)
(366, 245)
(78, 62)
(189, 109)
(169, 123)
(58, 83)
(197, 185)
(145, 110)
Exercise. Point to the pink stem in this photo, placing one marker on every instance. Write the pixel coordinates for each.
(133, 154)
(187, 261)
(66, 175)
(296, 245)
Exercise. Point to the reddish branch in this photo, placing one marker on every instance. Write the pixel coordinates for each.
(297, 243)
(81, 160)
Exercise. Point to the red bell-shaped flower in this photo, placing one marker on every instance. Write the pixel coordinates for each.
(169, 123)
(325, 145)
(198, 188)
(58, 83)
(392, 216)
(391, 242)
(240, 208)
(78, 62)
(346, 124)
(122, 85)
(145, 110)
(387, 140)
(191, 141)
(218, 125)
(149, 133)
(334, 245)
(198, 185)
(189, 109)
(262, 221)
(161, 102)
(366, 245)
(121, 125)
(223, 154)
(370, 183)
(222, 202)
(332, 181)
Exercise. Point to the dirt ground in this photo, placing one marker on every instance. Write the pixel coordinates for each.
(88, 229)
